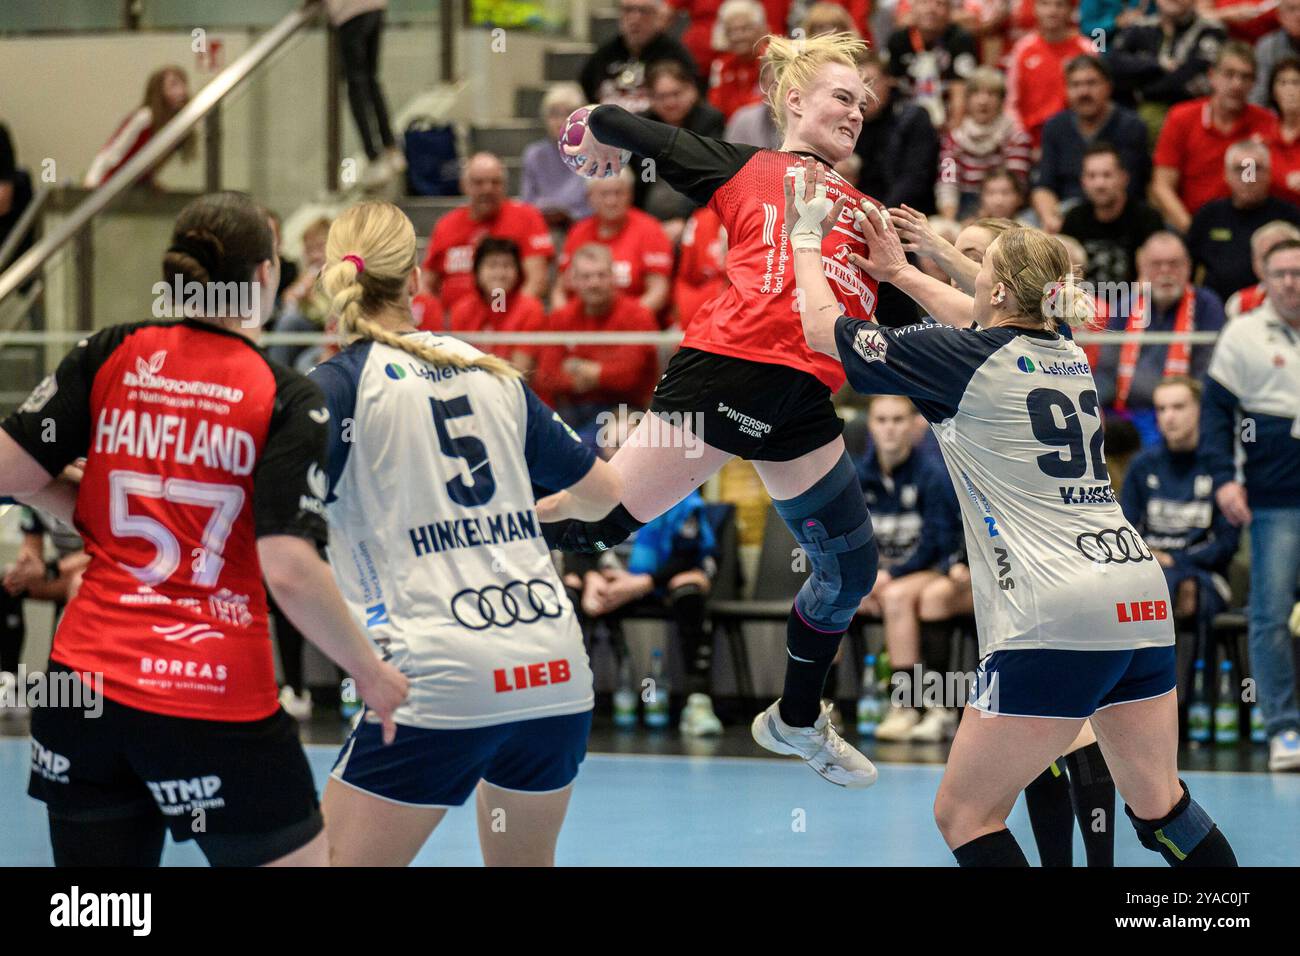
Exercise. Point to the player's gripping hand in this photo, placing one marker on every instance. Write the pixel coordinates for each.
(601, 161)
(885, 256)
(809, 213)
(384, 688)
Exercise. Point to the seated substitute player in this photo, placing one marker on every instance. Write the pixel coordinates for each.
(434, 540)
(1063, 637)
(914, 515)
(671, 565)
(204, 470)
(1168, 496)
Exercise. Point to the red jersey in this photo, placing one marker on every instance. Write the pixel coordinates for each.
(196, 446)
(1286, 168)
(701, 269)
(451, 244)
(754, 317)
(733, 82)
(640, 248)
(1195, 147)
(703, 15)
(428, 313)
(1264, 21)
(1036, 79)
(520, 312)
(627, 372)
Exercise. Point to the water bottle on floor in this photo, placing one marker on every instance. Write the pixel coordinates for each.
(869, 704)
(1227, 708)
(656, 695)
(1198, 708)
(1258, 735)
(625, 695)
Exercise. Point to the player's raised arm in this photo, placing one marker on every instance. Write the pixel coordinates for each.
(888, 263)
(600, 140)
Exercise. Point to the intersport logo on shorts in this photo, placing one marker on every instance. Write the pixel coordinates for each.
(147, 375)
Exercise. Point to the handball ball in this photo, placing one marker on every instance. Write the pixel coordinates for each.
(575, 128)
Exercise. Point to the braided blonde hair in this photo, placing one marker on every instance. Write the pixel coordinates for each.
(381, 236)
(1036, 270)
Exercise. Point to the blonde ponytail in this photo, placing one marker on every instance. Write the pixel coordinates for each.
(380, 236)
(1036, 270)
(789, 64)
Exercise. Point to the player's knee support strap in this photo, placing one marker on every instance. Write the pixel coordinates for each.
(1176, 835)
(831, 524)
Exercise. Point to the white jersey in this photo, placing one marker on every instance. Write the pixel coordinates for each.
(1054, 563)
(434, 539)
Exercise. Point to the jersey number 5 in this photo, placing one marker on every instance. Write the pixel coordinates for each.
(224, 500)
(1045, 404)
(476, 484)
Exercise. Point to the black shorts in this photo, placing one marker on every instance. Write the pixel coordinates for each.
(241, 789)
(754, 410)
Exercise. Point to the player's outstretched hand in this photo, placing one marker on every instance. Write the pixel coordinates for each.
(885, 258)
(384, 688)
(914, 231)
(809, 213)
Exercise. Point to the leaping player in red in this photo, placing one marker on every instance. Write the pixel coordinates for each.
(744, 381)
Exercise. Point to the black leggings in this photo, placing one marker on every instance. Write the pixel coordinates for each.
(290, 641)
(359, 47)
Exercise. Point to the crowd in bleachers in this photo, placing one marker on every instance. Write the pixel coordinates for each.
(1160, 139)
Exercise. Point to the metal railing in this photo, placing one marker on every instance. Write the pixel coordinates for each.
(203, 107)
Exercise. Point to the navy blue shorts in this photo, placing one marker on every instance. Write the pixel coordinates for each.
(441, 768)
(1055, 683)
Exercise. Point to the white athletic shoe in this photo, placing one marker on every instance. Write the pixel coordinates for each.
(898, 724)
(698, 718)
(297, 706)
(378, 172)
(1284, 751)
(819, 746)
(935, 727)
(395, 159)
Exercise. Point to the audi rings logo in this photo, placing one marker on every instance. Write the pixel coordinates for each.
(519, 602)
(1113, 546)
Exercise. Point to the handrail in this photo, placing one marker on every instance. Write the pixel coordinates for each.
(668, 337)
(158, 147)
(23, 226)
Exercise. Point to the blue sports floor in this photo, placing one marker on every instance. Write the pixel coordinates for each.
(735, 811)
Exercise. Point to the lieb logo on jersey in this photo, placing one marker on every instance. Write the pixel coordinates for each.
(531, 675)
(1136, 611)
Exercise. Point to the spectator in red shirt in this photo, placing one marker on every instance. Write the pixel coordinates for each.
(1197, 134)
(987, 138)
(498, 302)
(448, 264)
(642, 254)
(166, 93)
(1246, 20)
(701, 267)
(1036, 68)
(1284, 88)
(1261, 244)
(733, 80)
(581, 381)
